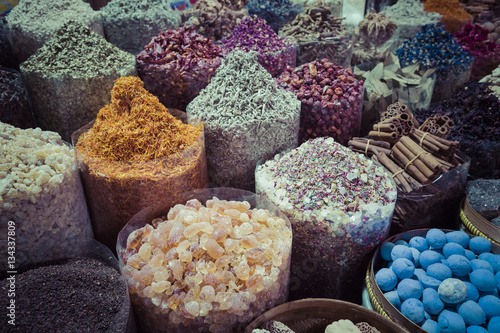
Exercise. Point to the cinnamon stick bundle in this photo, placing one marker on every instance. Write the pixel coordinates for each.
(439, 147)
(402, 179)
(369, 147)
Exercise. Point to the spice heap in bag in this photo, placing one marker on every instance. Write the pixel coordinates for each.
(454, 16)
(320, 35)
(15, 108)
(40, 194)
(208, 268)
(33, 22)
(276, 13)
(273, 53)
(331, 99)
(134, 153)
(340, 205)
(247, 119)
(177, 64)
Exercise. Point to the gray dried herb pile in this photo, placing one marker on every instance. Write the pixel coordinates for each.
(69, 79)
(247, 119)
(130, 24)
(33, 22)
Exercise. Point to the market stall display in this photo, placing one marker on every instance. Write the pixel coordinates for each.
(15, 107)
(331, 99)
(177, 64)
(135, 152)
(69, 77)
(247, 119)
(340, 205)
(33, 22)
(253, 34)
(209, 261)
(41, 196)
(131, 24)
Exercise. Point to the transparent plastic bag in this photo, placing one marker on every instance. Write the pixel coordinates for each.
(158, 318)
(113, 199)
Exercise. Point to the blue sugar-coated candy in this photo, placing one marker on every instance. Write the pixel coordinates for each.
(386, 279)
(427, 315)
(401, 242)
(431, 326)
(452, 291)
(409, 288)
(472, 292)
(493, 259)
(419, 272)
(401, 251)
(490, 305)
(494, 325)
(403, 268)
(430, 282)
(483, 279)
(385, 250)
(439, 271)
(416, 256)
(478, 263)
(497, 276)
(431, 301)
(413, 309)
(493, 293)
(472, 313)
(470, 255)
(460, 265)
(451, 322)
(453, 248)
(419, 243)
(479, 245)
(458, 237)
(393, 297)
(429, 257)
(436, 238)
(476, 329)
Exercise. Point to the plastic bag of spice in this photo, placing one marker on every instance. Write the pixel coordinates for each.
(68, 87)
(209, 260)
(331, 100)
(15, 107)
(42, 204)
(340, 205)
(82, 287)
(432, 205)
(177, 64)
(134, 153)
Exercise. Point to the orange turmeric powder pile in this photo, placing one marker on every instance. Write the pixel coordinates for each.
(454, 16)
(135, 127)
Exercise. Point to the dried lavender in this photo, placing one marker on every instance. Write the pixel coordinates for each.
(247, 119)
(33, 22)
(15, 108)
(69, 79)
(476, 113)
(434, 47)
(277, 13)
(409, 16)
(253, 34)
(130, 24)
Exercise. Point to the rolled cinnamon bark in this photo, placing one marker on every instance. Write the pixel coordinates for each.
(404, 162)
(389, 137)
(400, 175)
(424, 156)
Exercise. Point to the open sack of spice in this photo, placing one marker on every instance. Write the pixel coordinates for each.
(389, 83)
(276, 13)
(135, 152)
(430, 171)
(15, 107)
(319, 34)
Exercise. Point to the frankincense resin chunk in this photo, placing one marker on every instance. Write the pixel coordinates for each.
(208, 268)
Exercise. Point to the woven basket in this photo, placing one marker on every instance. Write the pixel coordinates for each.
(313, 315)
(377, 298)
(477, 225)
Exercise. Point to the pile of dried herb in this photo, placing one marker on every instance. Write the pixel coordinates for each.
(70, 77)
(33, 22)
(454, 16)
(319, 34)
(476, 113)
(494, 80)
(15, 108)
(276, 13)
(7, 57)
(247, 119)
(130, 24)
(135, 153)
(177, 64)
(273, 53)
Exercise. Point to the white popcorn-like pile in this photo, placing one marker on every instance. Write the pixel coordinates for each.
(208, 268)
(41, 191)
